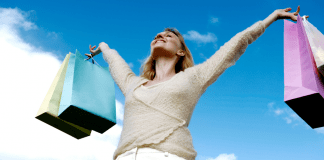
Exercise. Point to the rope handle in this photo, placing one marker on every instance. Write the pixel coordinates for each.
(304, 18)
(92, 60)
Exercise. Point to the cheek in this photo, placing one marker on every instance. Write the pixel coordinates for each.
(177, 45)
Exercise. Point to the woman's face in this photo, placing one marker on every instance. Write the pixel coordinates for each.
(165, 44)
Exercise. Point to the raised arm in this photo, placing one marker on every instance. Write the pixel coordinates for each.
(119, 69)
(230, 52)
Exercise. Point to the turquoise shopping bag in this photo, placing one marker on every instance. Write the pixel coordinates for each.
(88, 96)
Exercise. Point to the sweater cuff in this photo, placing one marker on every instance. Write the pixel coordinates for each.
(104, 47)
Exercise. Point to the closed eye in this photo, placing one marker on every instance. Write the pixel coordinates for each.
(161, 36)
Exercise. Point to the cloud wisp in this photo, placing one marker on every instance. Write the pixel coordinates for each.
(224, 156)
(201, 55)
(214, 20)
(27, 75)
(200, 38)
(131, 65)
(289, 116)
(285, 113)
(15, 18)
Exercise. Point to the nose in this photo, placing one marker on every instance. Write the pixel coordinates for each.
(160, 38)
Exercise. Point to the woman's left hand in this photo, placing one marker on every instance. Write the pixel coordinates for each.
(281, 14)
(285, 14)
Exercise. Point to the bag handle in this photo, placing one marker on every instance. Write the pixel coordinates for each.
(305, 23)
(92, 60)
(304, 18)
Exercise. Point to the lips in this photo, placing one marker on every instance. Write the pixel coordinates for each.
(160, 40)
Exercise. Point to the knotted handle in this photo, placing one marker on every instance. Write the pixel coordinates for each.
(92, 60)
(304, 18)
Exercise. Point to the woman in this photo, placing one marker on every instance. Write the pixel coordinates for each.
(159, 103)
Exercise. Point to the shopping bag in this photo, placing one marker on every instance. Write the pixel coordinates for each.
(316, 41)
(48, 112)
(304, 88)
(88, 97)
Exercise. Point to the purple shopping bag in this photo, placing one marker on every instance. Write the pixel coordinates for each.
(304, 90)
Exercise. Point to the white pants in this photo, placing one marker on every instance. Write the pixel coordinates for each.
(147, 154)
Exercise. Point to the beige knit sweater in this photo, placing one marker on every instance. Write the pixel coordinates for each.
(158, 116)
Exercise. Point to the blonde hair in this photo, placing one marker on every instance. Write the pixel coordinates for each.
(184, 62)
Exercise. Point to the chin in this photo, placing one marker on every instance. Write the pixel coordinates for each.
(160, 52)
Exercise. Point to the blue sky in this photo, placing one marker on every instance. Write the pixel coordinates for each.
(242, 116)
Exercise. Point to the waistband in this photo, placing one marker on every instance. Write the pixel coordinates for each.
(137, 150)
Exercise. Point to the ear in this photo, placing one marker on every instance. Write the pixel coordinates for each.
(181, 53)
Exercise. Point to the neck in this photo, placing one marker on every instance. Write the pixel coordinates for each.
(165, 68)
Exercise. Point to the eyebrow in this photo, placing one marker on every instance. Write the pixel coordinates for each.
(166, 34)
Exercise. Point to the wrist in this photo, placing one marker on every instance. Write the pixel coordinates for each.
(275, 15)
(270, 19)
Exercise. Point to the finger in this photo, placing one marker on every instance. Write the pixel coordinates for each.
(287, 9)
(94, 47)
(90, 46)
(298, 9)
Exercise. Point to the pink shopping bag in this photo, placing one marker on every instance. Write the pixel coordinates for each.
(304, 90)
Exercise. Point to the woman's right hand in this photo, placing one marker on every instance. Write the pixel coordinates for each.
(98, 50)
(93, 52)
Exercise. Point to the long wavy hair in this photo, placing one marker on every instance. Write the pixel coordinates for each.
(184, 62)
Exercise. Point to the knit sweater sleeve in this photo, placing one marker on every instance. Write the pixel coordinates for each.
(119, 69)
(227, 55)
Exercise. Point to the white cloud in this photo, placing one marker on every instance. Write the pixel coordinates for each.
(278, 111)
(215, 46)
(288, 120)
(201, 55)
(319, 130)
(53, 35)
(131, 65)
(224, 156)
(27, 73)
(119, 111)
(287, 114)
(199, 38)
(271, 104)
(141, 61)
(214, 20)
(15, 18)
(294, 116)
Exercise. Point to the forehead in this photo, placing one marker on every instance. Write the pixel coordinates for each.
(166, 32)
